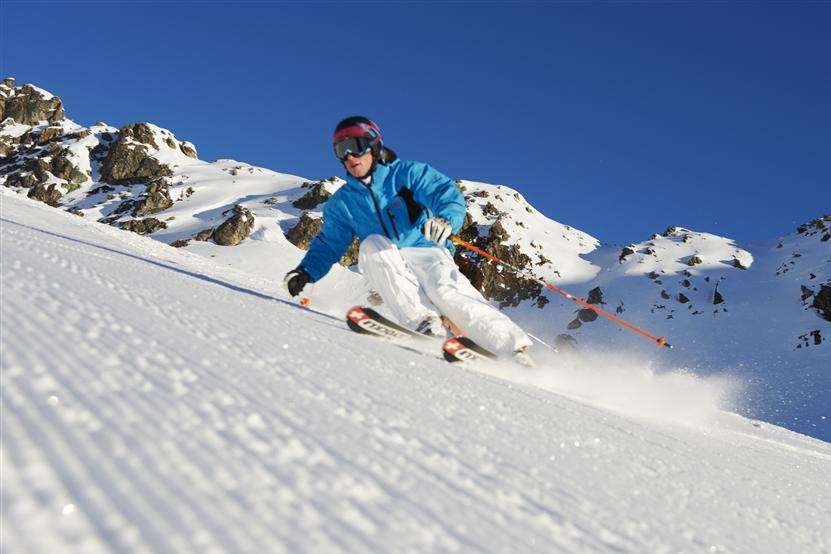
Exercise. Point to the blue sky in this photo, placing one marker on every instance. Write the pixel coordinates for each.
(617, 118)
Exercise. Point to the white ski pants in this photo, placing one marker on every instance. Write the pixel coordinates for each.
(417, 282)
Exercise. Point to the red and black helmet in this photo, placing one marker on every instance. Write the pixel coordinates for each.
(357, 135)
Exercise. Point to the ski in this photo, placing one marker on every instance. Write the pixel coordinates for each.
(463, 349)
(369, 322)
(459, 348)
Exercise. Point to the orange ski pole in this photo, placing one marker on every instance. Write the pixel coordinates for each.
(660, 341)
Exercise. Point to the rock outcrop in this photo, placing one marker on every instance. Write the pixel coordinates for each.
(625, 252)
(33, 134)
(813, 338)
(307, 228)
(236, 228)
(507, 288)
(155, 198)
(144, 226)
(204, 234)
(128, 159)
(818, 300)
(63, 167)
(44, 167)
(188, 149)
(738, 264)
(28, 104)
(47, 194)
(350, 257)
(49, 134)
(316, 195)
(820, 226)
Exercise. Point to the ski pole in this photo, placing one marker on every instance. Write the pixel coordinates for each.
(542, 342)
(660, 341)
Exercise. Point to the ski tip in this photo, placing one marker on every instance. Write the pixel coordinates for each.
(463, 349)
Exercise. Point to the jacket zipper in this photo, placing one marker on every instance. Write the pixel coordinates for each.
(378, 211)
(392, 220)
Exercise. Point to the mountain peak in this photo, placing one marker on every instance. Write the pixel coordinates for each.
(28, 104)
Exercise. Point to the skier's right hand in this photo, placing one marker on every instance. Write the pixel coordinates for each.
(437, 229)
(295, 280)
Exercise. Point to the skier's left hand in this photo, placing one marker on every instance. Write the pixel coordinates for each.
(437, 229)
(295, 280)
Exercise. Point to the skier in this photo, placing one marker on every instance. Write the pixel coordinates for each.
(403, 213)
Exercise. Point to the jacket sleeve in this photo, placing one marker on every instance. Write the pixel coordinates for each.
(330, 244)
(438, 192)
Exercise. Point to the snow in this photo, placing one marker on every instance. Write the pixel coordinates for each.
(670, 254)
(44, 93)
(154, 399)
(756, 331)
(332, 184)
(13, 130)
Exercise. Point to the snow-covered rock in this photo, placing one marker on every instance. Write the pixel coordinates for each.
(804, 262)
(28, 104)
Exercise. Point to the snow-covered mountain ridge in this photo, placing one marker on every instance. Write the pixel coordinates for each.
(156, 400)
(761, 311)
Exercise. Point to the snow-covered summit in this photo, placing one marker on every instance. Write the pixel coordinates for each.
(678, 249)
(555, 250)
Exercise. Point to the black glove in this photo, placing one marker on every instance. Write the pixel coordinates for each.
(295, 280)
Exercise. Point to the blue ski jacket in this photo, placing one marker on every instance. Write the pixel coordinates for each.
(401, 196)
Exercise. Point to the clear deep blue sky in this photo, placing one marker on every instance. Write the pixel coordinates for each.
(618, 119)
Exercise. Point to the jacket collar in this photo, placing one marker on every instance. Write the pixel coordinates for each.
(379, 174)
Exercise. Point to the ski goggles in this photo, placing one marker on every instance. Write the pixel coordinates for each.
(354, 146)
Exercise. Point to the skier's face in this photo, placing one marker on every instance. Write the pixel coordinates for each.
(358, 166)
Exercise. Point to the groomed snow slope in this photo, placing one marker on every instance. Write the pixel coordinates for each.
(153, 401)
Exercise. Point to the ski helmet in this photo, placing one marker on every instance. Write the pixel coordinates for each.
(355, 135)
